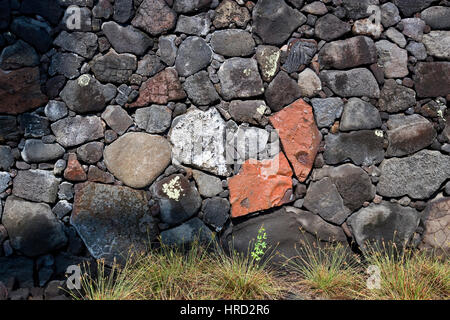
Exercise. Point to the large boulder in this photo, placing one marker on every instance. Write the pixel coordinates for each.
(383, 224)
(32, 227)
(137, 158)
(113, 221)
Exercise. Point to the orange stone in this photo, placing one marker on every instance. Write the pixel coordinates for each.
(260, 185)
(160, 89)
(299, 136)
(74, 170)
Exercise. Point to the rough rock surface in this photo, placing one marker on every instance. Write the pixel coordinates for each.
(327, 110)
(77, 130)
(200, 89)
(352, 83)
(36, 151)
(137, 158)
(432, 79)
(232, 43)
(384, 223)
(268, 58)
(330, 27)
(82, 43)
(299, 136)
(417, 176)
(408, 134)
(364, 147)
(185, 234)
(208, 185)
(438, 44)
(154, 17)
(126, 39)
(229, 12)
(112, 220)
(197, 138)
(359, 115)
(437, 222)
(193, 55)
(114, 67)
(260, 185)
(282, 91)
(395, 97)
(392, 59)
(36, 185)
(154, 119)
(239, 78)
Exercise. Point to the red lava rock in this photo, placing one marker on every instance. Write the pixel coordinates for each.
(160, 89)
(260, 185)
(299, 136)
(20, 91)
(74, 170)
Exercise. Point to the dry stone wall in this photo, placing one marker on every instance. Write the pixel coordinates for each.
(126, 123)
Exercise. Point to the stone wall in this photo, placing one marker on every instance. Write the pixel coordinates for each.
(124, 123)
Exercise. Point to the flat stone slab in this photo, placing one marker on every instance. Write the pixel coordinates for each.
(112, 221)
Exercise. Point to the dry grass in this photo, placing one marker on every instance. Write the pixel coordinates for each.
(170, 274)
(331, 272)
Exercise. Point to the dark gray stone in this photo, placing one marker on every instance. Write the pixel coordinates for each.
(200, 89)
(49, 9)
(395, 97)
(359, 115)
(363, 147)
(323, 198)
(149, 65)
(9, 130)
(185, 234)
(437, 17)
(431, 79)
(384, 223)
(198, 25)
(114, 67)
(32, 227)
(82, 43)
(123, 10)
(5, 13)
(389, 14)
(282, 91)
(357, 9)
(19, 268)
(233, 43)
(418, 176)
(216, 212)
(84, 94)
(98, 216)
(208, 185)
(117, 119)
(36, 33)
(90, 152)
(33, 125)
(5, 179)
(154, 17)
(300, 52)
(193, 55)
(409, 7)
(18, 55)
(239, 78)
(6, 158)
(36, 151)
(67, 64)
(154, 119)
(250, 111)
(352, 83)
(126, 39)
(55, 110)
(274, 21)
(167, 49)
(327, 110)
(178, 200)
(36, 185)
(330, 27)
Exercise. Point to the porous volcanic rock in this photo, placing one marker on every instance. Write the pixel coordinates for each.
(154, 17)
(436, 219)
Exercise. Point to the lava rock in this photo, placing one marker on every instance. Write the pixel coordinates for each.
(417, 176)
(32, 227)
(82, 43)
(330, 27)
(193, 55)
(282, 91)
(36, 151)
(395, 97)
(436, 222)
(327, 110)
(233, 43)
(113, 67)
(154, 17)
(437, 17)
(84, 94)
(200, 89)
(126, 39)
(149, 65)
(18, 55)
(36, 185)
(268, 58)
(117, 119)
(363, 147)
(438, 44)
(239, 78)
(274, 21)
(229, 12)
(393, 59)
(154, 119)
(185, 234)
(431, 79)
(208, 185)
(216, 212)
(352, 83)
(359, 115)
(77, 130)
(198, 25)
(6, 158)
(18, 267)
(36, 33)
(250, 111)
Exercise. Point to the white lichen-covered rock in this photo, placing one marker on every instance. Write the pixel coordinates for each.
(198, 139)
